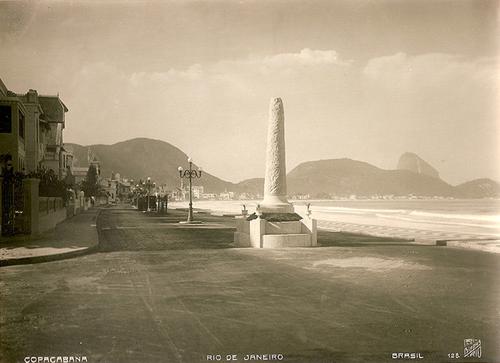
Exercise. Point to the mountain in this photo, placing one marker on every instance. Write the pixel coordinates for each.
(344, 177)
(254, 186)
(412, 162)
(478, 188)
(140, 158)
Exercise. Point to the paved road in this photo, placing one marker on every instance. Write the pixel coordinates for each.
(161, 292)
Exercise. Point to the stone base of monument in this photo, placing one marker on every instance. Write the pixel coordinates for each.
(275, 230)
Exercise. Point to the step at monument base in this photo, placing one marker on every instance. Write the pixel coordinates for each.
(259, 233)
(286, 240)
(242, 239)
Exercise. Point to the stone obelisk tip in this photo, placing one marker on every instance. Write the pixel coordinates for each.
(275, 199)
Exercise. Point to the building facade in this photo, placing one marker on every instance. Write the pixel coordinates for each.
(36, 130)
(54, 111)
(12, 127)
(31, 131)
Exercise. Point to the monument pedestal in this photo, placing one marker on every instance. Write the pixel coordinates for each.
(275, 230)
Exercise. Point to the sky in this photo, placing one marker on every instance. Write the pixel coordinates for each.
(366, 80)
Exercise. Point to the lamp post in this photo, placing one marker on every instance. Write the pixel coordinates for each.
(148, 186)
(137, 194)
(190, 174)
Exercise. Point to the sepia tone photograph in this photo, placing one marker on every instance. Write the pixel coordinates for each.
(301, 181)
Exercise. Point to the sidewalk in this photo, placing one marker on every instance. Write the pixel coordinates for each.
(73, 237)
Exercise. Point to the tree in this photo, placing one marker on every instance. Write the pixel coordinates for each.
(90, 185)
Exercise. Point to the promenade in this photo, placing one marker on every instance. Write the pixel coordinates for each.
(162, 292)
(74, 237)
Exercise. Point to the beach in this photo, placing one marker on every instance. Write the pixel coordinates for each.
(410, 218)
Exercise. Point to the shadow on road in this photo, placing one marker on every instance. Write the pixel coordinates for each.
(132, 230)
(344, 239)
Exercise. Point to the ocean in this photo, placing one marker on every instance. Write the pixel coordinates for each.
(479, 217)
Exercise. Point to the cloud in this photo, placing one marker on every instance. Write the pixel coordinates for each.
(252, 76)
(440, 106)
(283, 63)
(306, 57)
(431, 67)
(194, 72)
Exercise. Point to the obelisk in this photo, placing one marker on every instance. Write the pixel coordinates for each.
(275, 195)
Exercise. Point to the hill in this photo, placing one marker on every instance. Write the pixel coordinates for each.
(412, 162)
(254, 186)
(478, 188)
(344, 177)
(140, 158)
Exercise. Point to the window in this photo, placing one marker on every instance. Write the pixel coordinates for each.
(5, 120)
(21, 124)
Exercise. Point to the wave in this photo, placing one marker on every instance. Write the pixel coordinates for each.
(481, 224)
(474, 217)
(409, 213)
(434, 221)
(356, 210)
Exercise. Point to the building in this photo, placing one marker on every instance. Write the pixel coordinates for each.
(123, 189)
(116, 188)
(109, 187)
(79, 173)
(122, 186)
(197, 191)
(54, 111)
(36, 130)
(12, 127)
(209, 196)
(226, 195)
(31, 131)
(31, 127)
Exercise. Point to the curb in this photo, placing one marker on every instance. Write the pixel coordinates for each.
(470, 244)
(55, 256)
(48, 258)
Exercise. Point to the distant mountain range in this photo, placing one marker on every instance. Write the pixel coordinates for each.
(345, 177)
(141, 157)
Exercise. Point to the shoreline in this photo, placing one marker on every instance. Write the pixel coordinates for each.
(431, 224)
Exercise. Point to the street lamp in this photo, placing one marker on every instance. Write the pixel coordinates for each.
(148, 186)
(190, 174)
(136, 195)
